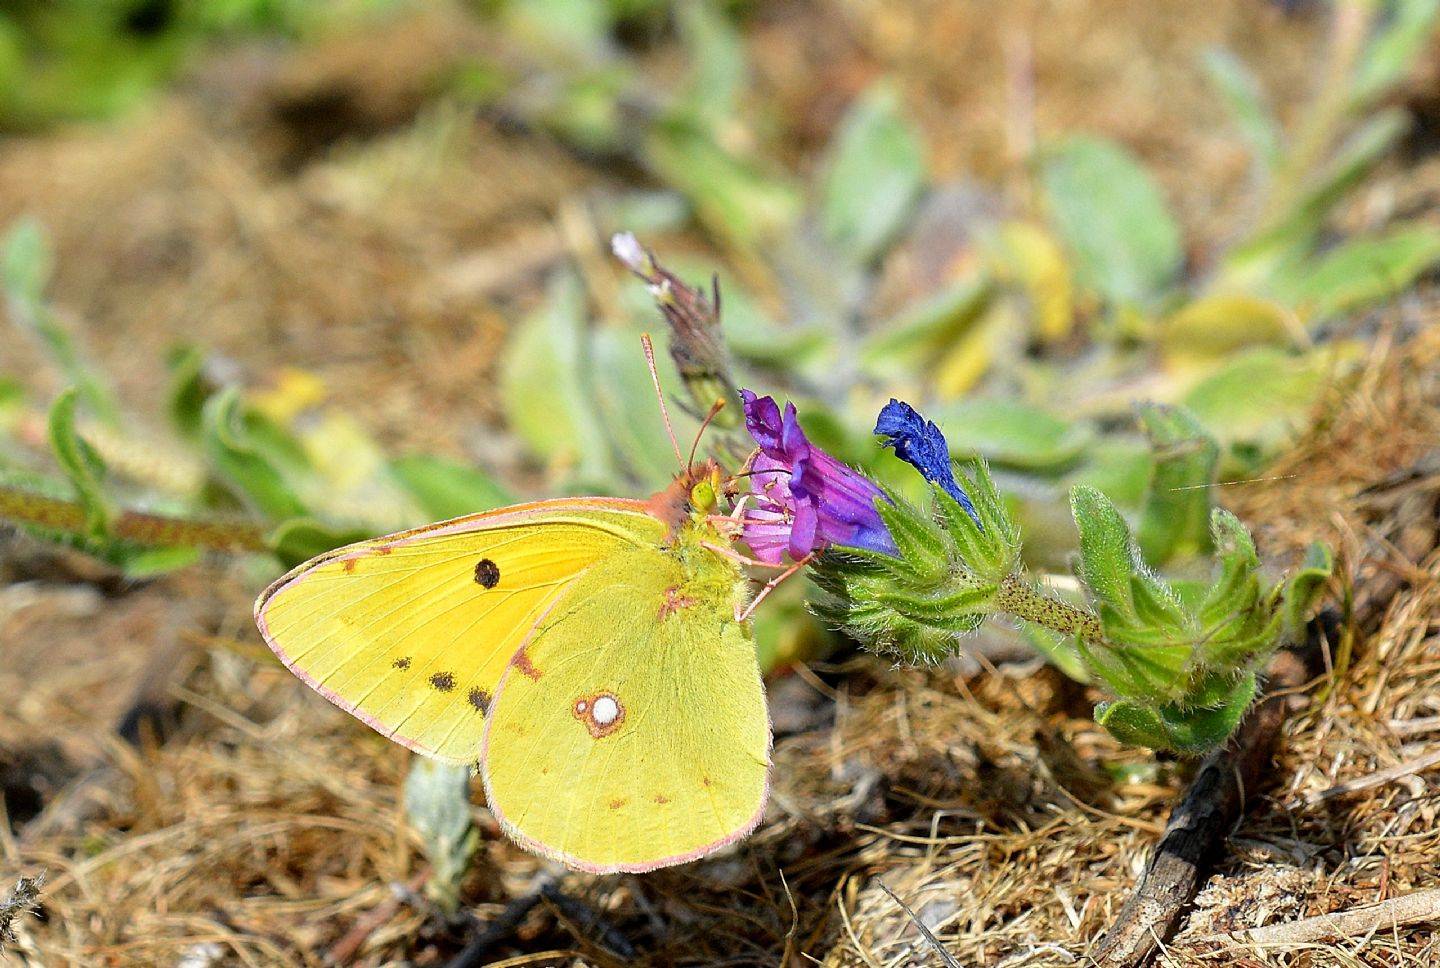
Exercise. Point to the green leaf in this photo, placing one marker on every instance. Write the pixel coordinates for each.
(1058, 650)
(1365, 271)
(1144, 672)
(1175, 521)
(544, 385)
(1012, 433)
(874, 173)
(566, 31)
(1156, 605)
(751, 335)
(25, 269)
(1305, 587)
(715, 55)
(1192, 732)
(1107, 552)
(912, 340)
(1118, 467)
(731, 195)
(189, 389)
(447, 489)
(919, 542)
(628, 410)
(139, 562)
(1113, 219)
(299, 539)
(241, 462)
(1392, 54)
(81, 464)
(1241, 93)
(991, 550)
(1236, 589)
(27, 262)
(1287, 236)
(1218, 325)
(1261, 399)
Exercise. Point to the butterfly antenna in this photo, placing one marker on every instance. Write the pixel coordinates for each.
(660, 395)
(715, 408)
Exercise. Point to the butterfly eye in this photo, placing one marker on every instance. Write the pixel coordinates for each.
(703, 497)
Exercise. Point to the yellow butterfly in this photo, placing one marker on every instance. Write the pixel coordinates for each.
(589, 653)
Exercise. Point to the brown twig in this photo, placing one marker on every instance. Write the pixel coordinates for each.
(1418, 908)
(1378, 778)
(1203, 819)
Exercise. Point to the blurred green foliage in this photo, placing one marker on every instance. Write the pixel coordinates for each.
(64, 60)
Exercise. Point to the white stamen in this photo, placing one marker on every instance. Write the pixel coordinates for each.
(605, 711)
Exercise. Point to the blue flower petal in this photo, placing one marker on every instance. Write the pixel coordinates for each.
(920, 443)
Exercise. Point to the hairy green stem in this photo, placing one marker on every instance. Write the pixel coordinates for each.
(1020, 599)
(27, 507)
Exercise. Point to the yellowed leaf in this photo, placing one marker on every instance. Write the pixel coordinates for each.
(1031, 259)
(1220, 325)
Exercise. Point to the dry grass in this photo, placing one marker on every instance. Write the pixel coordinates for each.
(262, 827)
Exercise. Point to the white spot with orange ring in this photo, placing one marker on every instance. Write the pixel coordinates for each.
(606, 711)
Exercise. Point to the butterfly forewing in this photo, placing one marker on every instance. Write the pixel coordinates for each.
(411, 633)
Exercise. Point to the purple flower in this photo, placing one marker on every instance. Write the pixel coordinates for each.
(920, 443)
(805, 500)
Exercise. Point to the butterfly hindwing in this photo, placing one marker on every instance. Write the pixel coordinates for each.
(411, 633)
(630, 732)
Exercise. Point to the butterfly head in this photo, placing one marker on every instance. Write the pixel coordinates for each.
(693, 496)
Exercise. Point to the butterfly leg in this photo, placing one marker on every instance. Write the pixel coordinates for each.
(737, 557)
(770, 586)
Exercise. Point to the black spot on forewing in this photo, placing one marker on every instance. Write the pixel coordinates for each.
(487, 573)
(480, 699)
(442, 681)
(402, 663)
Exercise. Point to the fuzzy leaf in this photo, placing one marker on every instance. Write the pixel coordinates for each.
(1394, 52)
(1106, 549)
(1192, 732)
(81, 464)
(243, 462)
(1365, 271)
(874, 174)
(920, 544)
(543, 384)
(446, 489)
(1013, 433)
(437, 804)
(1240, 91)
(1113, 218)
(1175, 521)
